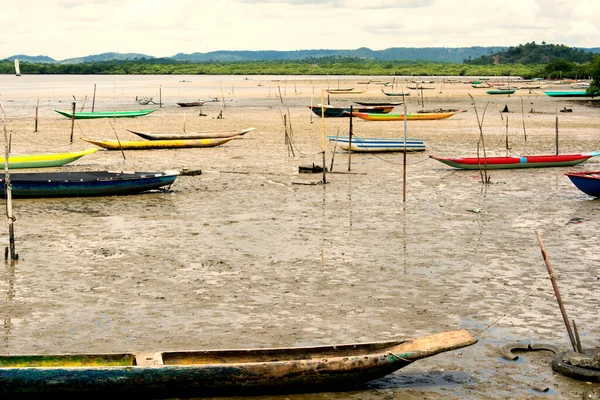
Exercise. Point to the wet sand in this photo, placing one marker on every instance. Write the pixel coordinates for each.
(253, 254)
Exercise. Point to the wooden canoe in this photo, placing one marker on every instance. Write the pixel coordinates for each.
(191, 104)
(158, 144)
(44, 160)
(345, 91)
(501, 91)
(190, 135)
(587, 182)
(105, 114)
(377, 145)
(201, 373)
(561, 160)
(329, 111)
(85, 183)
(379, 103)
(400, 117)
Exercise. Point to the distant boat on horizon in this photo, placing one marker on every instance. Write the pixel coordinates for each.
(17, 69)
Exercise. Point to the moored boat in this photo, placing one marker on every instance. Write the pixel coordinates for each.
(208, 372)
(158, 144)
(501, 91)
(587, 182)
(570, 93)
(43, 160)
(376, 145)
(345, 91)
(329, 111)
(191, 104)
(190, 135)
(104, 114)
(83, 184)
(561, 160)
(400, 117)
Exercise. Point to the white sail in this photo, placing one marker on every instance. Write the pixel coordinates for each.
(17, 69)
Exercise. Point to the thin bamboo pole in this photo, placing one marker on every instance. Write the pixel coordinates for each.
(37, 107)
(404, 162)
(350, 134)
(556, 292)
(72, 120)
(323, 134)
(556, 133)
(10, 251)
(94, 98)
(523, 118)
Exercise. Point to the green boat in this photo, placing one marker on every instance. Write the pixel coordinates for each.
(570, 93)
(501, 91)
(105, 114)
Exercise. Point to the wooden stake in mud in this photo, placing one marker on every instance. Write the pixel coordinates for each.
(404, 162)
(334, 149)
(118, 140)
(556, 293)
(37, 107)
(523, 117)
(506, 136)
(10, 251)
(323, 134)
(160, 97)
(556, 136)
(350, 134)
(72, 120)
(94, 98)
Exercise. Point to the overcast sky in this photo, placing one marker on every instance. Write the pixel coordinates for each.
(75, 28)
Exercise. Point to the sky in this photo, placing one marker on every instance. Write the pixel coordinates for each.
(64, 29)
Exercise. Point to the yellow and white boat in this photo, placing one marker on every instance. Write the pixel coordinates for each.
(43, 160)
(158, 144)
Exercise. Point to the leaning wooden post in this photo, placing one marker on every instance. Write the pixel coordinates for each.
(404, 163)
(94, 98)
(159, 96)
(8, 193)
(37, 107)
(523, 118)
(557, 294)
(72, 120)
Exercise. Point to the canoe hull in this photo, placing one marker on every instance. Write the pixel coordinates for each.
(105, 114)
(158, 144)
(18, 161)
(565, 160)
(377, 145)
(400, 117)
(336, 112)
(206, 372)
(190, 135)
(569, 93)
(587, 182)
(84, 184)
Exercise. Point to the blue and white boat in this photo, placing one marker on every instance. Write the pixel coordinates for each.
(373, 145)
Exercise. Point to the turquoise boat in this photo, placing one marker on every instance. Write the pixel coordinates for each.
(570, 93)
(105, 114)
(501, 91)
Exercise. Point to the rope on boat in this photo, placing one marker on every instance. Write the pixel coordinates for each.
(515, 306)
(395, 357)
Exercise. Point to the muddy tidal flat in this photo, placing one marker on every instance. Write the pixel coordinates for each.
(252, 253)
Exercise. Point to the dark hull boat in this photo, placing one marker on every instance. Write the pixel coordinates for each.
(200, 373)
(82, 184)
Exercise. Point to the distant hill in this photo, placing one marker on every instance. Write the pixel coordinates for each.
(532, 53)
(457, 55)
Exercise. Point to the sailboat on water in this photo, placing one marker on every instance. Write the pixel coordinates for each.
(17, 69)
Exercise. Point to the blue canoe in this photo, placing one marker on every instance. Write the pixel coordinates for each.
(376, 145)
(88, 183)
(587, 182)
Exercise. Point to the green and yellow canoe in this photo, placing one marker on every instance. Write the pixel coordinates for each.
(400, 117)
(16, 161)
(104, 114)
(158, 144)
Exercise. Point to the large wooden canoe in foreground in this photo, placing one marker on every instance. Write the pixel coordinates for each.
(158, 144)
(198, 373)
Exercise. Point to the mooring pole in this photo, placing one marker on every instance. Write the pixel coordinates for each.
(557, 294)
(72, 120)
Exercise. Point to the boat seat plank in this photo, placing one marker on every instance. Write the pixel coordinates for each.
(149, 359)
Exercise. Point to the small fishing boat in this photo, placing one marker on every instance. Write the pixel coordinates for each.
(396, 94)
(587, 182)
(400, 117)
(82, 184)
(43, 160)
(378, 145)
(561, 160)
(212, 372)
(345, 91)
(501, 91)
(379, 103)
(329, 111)
(570, 93)
(104, 114)
(190, 135)
(158, 144)
(191, 104)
